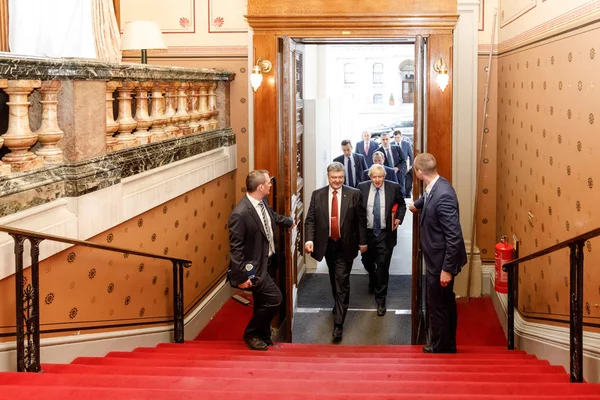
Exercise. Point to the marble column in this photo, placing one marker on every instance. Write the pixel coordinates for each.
(126, 121)
(141, 112)
(111, 125)
(19, 138)
(182, 115)
(170, 129)
(205, 113)
(194, 112)
(157, 113)
(49, 132)
(213, 123)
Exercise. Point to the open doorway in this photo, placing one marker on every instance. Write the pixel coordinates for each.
(347, 90)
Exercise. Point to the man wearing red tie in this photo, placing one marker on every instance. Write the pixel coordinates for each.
(336, 227)
(367, 147)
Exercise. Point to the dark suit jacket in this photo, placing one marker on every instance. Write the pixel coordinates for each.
(407, 149)
(359, 166)
(360, 149)
(390, 175)
(441, 236)
(353, 222)
(399, 159)
(248, 241)
(392, 197)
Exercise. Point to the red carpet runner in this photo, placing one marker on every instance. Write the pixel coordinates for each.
(228, 370)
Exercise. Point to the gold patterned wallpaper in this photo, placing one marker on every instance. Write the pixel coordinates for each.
(548, 168)
(84, 289)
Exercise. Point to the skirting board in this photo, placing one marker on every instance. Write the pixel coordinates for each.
(549, 342)
(63, 350)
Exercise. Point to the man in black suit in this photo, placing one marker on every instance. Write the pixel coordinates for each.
(390, 174)
(394, 158)
(443, 249)
(407, 148)
(252, 251)
(380, 197)
(354, 164)
(336, 227)
(367, 147)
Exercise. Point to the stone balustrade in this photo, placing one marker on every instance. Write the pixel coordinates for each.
(90, 108)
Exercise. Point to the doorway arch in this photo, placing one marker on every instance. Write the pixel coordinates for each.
(331, 21)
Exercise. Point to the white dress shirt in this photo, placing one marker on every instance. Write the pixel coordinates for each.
(268, 228)
(371, 201)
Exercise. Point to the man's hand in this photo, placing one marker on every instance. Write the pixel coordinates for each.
(292, 227)
(245, 285)
(395, 169)
(412, 208)
(309, 247)
(363, 248)
(445, 278)
(396, 224)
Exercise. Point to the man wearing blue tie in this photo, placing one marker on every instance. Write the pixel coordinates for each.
(385, 210)
(394, 158)
(354, 164)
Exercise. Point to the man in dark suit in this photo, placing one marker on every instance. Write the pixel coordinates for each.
(367, 147)
(394, 158)
(390, 174)
(407, 148)
(443, 249)
(354, 164)
(336, 227)
(380, 197)
(252, 251)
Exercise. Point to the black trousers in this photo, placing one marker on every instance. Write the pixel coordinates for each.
(376, 261)
(267, 299)
(339, 277)
(443, 317)
(408, 183)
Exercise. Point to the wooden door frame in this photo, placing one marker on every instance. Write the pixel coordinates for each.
(379, 20)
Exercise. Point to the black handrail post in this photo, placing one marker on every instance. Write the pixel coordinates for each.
(576, 328)
(510, 312)
(21, 367)
(178, 333)
(34, 347)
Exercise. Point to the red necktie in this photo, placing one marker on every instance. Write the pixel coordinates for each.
(366, 148)
(335, 227)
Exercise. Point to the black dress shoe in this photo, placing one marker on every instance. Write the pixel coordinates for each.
(338, 331)
(428, 349)
(381, 310)
(255, 343)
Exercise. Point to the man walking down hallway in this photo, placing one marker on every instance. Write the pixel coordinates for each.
(336, 228)
(385, 209)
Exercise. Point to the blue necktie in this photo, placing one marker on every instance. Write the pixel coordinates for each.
(350, 175)
(425, 196)
(376, 214)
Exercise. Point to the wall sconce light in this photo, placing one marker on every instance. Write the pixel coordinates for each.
(442, 79)
(261, 67)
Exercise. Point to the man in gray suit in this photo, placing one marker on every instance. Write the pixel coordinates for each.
(336, 227)
(380, 197)
(443, 249)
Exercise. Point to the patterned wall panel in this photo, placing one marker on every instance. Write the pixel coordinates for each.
(548, 149)
(83, 289)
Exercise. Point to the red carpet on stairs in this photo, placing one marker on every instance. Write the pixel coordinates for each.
(228, 370)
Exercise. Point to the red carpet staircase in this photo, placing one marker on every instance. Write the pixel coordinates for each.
(228, 370)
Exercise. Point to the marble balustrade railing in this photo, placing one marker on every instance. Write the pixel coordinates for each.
(83, 109)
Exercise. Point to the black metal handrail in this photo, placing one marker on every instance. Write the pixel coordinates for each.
(27, 298)
(576, 296)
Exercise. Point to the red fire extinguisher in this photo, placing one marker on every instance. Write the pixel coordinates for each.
(503, 253)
